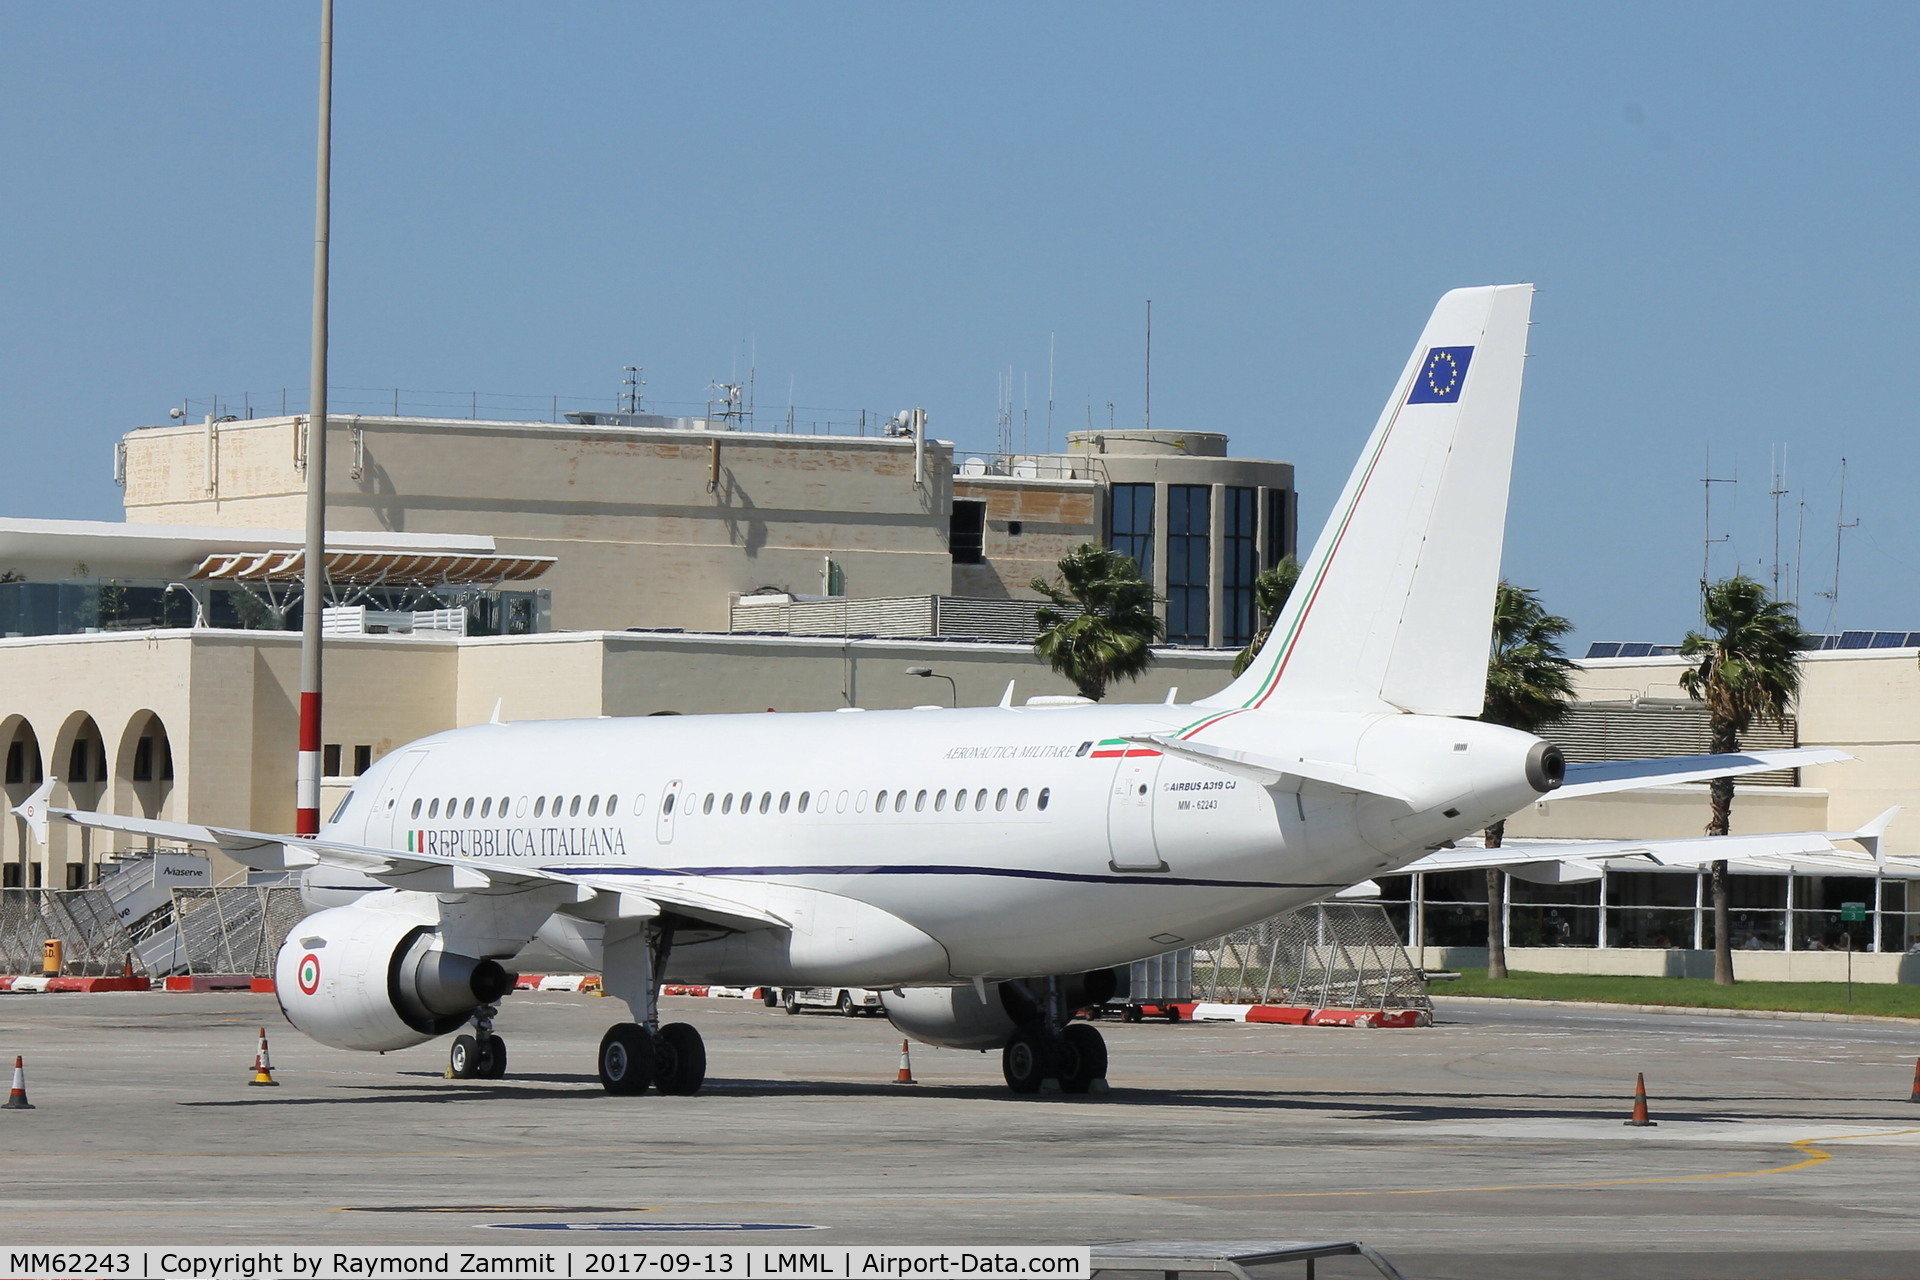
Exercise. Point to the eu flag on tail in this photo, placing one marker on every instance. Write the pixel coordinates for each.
(1441, 375)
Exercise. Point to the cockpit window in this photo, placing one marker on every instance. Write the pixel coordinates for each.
(345, 800)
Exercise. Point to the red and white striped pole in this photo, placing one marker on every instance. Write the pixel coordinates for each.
(313, 597)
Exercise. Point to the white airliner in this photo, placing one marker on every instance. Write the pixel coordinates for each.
(987, 867)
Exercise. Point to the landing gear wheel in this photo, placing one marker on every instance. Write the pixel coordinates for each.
(792, 1002)
(463, 1058)
(680, 1059)
(1027, 1060)
(1083, 1058)
(492, 1064)
(626, 1058)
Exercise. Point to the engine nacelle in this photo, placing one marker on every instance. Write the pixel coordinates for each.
(957, 1018)
(362, 978)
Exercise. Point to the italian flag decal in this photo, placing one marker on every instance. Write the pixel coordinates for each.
(1117, 748)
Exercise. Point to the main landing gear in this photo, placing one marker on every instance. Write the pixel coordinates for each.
(634, 1055)
(482, 1055)
(1049, 1053)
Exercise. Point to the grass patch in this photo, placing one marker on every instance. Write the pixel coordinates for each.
(1899, 1001)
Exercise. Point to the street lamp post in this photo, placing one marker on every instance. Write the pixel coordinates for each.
(929, 673)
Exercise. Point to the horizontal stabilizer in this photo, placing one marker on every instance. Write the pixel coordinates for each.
(1270, 771)
(1625, 775)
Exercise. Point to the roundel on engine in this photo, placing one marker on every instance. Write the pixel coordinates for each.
(360, 977)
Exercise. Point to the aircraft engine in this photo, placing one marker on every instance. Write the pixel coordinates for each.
(956, 1017)
(360, 978)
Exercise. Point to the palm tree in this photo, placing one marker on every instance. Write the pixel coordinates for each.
(1270, 591)
(1529, 684)
(1749, 669)
(1100, 625)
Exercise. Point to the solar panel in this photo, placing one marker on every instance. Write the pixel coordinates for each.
(1635, 650)
(1888, 639)
(1855, 639)
(1603, 649)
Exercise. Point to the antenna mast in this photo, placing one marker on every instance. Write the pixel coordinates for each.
(1840, 526)
(1707, 539)
(1776, 493)
(1147, 420)
(1049, 393)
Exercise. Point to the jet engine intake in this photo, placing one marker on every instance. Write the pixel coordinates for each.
(359, 978)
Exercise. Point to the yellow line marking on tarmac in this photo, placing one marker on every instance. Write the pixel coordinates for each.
(1814, 1156)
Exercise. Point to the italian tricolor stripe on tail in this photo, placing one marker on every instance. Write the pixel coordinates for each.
(1115, 748)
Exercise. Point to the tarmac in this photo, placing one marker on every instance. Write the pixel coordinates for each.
(1490, 1145)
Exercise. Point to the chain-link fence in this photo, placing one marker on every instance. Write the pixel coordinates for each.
(93, 940)
(227, 929)
(1331, 955)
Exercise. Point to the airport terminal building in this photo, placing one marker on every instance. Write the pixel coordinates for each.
(625, 564)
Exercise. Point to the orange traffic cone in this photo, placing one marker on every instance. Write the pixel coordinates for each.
(1916, 1081)
(262, 1064)
(17, 1095)
(1640, 1120)
(905, 1074)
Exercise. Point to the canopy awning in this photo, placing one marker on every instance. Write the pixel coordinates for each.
(373, 568)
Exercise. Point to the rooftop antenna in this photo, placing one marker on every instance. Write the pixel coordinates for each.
(1799, 559)
(1778, 491)
(1840, 526)
(1026, 438)
(630, 393)
(753, 363)
(1147, 416)
(1707, 539)
(1049, 393)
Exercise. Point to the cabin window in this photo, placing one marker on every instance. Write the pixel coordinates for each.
(940, 800)
(573, 810)
(557, 802)
(416, 807)
(726, 803)
(666, 805)
(840, 803)
(520, 808)
(467, 810)
(1000, 801)
(639, 804)
(503, 805)
(539, 806)
(1041, 801)
(593, 806)
(980, 800)
(613, 803)
(786, 798)
(804, 797)
(879, 802)
(920, 802)
(766, 801)
(900, 802)
(433, 810)
(1020, 801)
(486, 806)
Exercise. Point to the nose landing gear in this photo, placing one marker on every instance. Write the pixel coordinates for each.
(482, 1055)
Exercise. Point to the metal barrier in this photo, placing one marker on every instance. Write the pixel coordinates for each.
(94, 942)
(1331, 955)
(1233, 1259)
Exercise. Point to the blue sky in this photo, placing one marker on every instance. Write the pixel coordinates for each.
(890, 205)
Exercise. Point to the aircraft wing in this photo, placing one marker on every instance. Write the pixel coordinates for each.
(589, 896)
(1625, 775)
(1579, 861)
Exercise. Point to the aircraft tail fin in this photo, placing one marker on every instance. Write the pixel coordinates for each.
(1394, 607)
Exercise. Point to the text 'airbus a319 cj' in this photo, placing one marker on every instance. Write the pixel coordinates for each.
(985, 867)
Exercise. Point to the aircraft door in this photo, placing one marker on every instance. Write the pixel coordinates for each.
(1130, 814)
(670, 799)
(383, 824)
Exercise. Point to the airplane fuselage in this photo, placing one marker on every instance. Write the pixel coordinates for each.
(933, 846)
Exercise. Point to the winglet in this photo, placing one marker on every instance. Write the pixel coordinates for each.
(34, 810)
(1869, 834)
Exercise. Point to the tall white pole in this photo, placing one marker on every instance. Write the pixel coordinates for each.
(314, 580)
